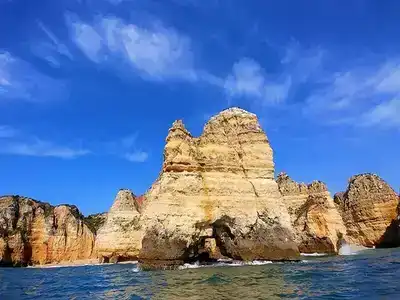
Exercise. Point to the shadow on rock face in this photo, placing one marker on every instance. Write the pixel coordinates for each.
(391, 237)
(261, 242)
(162, 250)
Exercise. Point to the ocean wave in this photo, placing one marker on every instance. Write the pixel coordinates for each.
(348, 249)
(314, 254)
(225, 263)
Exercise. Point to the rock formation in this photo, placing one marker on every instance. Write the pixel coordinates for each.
(218, 186)
(368, 207)
(120, 237)
(215, 197)
(318, 225)
(33, 232)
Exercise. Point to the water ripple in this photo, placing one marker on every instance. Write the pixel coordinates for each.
(372, 274)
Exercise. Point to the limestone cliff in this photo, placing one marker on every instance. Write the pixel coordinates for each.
(218, 186)
(120, 237)
(33, 232)
(368, 207)
(317, 222)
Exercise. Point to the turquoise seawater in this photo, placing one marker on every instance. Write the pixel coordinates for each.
(371, 274)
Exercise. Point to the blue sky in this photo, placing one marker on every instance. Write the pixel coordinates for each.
(89, 88)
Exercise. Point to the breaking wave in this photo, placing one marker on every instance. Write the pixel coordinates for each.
(314, 254)
(225, 263)
(348, 249)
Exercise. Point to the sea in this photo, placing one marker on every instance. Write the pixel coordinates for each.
(365, 274)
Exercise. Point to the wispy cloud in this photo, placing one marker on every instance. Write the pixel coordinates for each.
(7, 131)
(20, 81)
(52, 49)
(386, 114)
(127, 148)
(156, 52)
(14, 142)
(138, 156)
(40, 148)
(248, 79)
(360, 95)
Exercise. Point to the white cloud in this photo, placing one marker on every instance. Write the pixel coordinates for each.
(366, 95)
(15, 142)
(127, 148)
(39, 148)
(19, 80)
(386, 114)
(248, 79)
(156, 53)
(52, 49)
(138, 156)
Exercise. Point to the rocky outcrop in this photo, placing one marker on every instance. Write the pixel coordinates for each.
(368, 207)
(219, 186)
(318, 225)
(120, 237)
(33, 232)
(215, 197)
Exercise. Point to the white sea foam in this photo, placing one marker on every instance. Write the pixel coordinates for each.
(136, 269)
(314, 254)
(128, 262)
(348, 249)
(224, 263)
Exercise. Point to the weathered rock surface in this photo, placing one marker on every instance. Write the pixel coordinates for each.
(221, 186)
(317, 222)
(368, 207)
(120, 237)
(33, 232)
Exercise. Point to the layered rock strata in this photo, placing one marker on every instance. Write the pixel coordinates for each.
(368, 207)
(219, 186)
(215, 197)
(318, 225)
(33, 232)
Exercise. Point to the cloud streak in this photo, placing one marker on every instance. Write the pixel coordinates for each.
(41, 148)
(52, 50)
(127, 148)
(20, 81)
(13, 142)
(366, 96)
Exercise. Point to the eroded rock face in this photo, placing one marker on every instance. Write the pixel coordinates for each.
(33, 232)
(220, 185)
(368, 207)
(317, 222)
(120, 238)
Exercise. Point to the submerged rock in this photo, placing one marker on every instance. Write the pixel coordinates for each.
(317, 222)
(368, 207)
(33, 232)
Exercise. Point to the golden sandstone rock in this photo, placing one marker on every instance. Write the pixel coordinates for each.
(368, 207)
(33, 232)
(120, 236)
(318, 224)
(220, 185)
